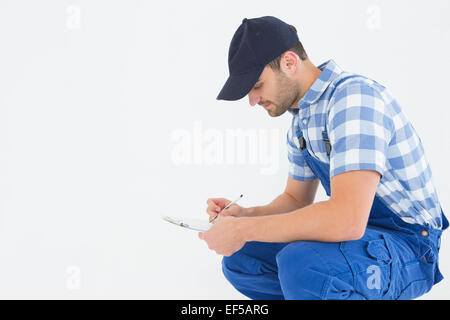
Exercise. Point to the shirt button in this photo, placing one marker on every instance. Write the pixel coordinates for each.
(305, 121)
(424, 233)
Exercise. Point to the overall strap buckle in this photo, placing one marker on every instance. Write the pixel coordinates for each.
(302, 143)
(301, 139)
(326, 140)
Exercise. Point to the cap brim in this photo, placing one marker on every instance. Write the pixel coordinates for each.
(239, 86)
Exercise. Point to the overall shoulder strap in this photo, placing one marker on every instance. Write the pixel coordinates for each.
(325, 138)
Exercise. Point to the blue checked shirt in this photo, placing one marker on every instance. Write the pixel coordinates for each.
(367, 131)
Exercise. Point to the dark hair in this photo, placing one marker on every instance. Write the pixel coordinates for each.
(297, 48)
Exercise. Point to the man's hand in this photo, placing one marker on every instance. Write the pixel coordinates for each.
(215, 205)
(225, 236)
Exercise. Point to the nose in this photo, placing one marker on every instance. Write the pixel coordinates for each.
(253, 98)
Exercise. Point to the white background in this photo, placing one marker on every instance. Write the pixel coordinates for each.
(95, 95)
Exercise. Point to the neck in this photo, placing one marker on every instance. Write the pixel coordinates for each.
(308, 73)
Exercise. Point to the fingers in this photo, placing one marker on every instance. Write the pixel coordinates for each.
(218, 205)
(212, 213)
(220, 202)
(231, 211)
(215, 205)
(217, 216)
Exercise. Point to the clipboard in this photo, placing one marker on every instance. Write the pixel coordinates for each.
(189, 223)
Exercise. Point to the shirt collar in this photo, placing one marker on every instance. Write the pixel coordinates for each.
(330, 70)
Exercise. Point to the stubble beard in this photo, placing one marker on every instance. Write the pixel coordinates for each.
(288, 93)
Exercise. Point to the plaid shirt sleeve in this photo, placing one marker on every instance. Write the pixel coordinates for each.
(360, 129)
(298, 168)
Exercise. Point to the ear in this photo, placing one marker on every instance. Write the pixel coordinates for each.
(289, 62)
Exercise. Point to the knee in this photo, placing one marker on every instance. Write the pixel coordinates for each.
(238, 267)
(298, 256)
(304, 273)
(230, 263)
(239, 262)
(253, 258)
(297, 265)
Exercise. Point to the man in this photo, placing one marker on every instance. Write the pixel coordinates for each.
(378, 234)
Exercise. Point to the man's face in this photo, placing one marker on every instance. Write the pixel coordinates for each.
(275, 92)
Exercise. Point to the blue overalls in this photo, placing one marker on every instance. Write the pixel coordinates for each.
(393, 260)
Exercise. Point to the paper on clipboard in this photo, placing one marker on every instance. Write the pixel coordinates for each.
(189, 223)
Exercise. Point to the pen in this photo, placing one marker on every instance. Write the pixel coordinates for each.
(226, 207)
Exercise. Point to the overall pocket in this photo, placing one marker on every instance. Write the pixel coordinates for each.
(419, 276)
(371, 263)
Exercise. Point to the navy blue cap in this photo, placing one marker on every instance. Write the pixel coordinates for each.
(255, 43)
